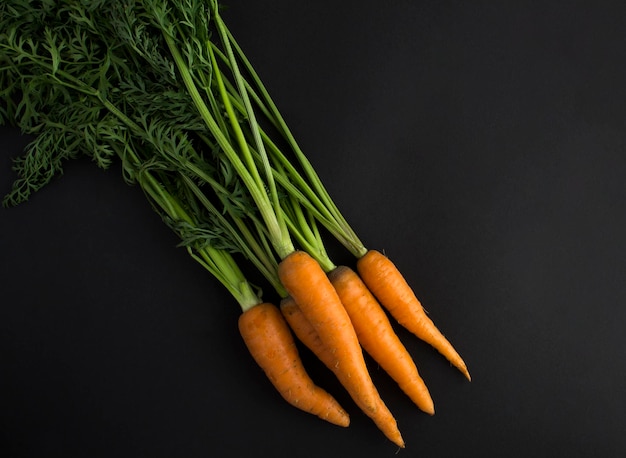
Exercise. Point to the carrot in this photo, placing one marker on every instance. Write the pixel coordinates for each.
(386, 282)
(269, 340)
(378, 338)
(307, 283)
(305, 332)
(385, 350)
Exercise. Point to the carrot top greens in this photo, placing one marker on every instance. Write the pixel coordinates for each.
(171, 75)
(163, 90)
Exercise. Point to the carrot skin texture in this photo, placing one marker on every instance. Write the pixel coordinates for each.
(386, 282)
(267, 336)
(308, 284)
(306, 333)
(377, 336)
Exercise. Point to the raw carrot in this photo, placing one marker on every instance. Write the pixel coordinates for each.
(377, 336)
(386, 282)
(307, 283)
(269, 340)
(305, 332)
(384, 350)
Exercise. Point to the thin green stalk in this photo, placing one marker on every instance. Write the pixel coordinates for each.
(315, 185)
(218, 262)
(254, 127)
(279, 238)
(308, 237)
(239, 134)
(256, 252)
(295, 184)
(308, 201)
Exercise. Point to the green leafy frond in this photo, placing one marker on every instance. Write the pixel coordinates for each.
(43, 160)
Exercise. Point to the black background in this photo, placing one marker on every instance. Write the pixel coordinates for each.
(480, 144)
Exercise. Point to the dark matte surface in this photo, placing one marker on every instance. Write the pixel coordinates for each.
(480, 144)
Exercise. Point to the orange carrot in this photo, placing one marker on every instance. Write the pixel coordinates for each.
(384, 350)
(378, 338)
(386, 282)
(269, 340)
(305, 332)
(307, 283)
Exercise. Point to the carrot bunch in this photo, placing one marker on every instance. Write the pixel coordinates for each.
(165, 89)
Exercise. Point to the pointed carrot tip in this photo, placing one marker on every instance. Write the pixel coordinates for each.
(398, 440)
(463, 368)
(394, 436)
(340, 418)
(343, 424)
(427, 406)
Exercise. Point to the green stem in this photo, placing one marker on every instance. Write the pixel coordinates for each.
(218, 262)
(307, 236)
(252, 123)
(281, 241)
(256, 252)
(296, 185)
(316, 190)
